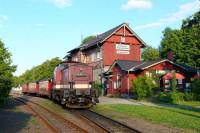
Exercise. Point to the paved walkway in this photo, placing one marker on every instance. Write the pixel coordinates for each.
(112, 100)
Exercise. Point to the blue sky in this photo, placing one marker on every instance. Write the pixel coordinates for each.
(37, 30)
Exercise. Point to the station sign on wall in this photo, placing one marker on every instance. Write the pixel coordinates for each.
(122, 48)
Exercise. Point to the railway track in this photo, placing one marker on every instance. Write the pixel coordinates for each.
(55, 122)
(99, 122)
(109, 125)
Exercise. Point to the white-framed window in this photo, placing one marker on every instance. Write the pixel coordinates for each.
(93, 57)
(115, 84)
(75, 59)
(187, 85)
(167, 86)
(99, 55)
(148, 74)
(166, 81)
(180, 81)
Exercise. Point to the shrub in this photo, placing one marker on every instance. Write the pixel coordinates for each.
(142, 86)
(189, 97)
(170, 97)
(196, 86)
(163, 97)
(176, 97)
(98, 87)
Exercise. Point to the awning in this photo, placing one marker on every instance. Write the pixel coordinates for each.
(170, 76)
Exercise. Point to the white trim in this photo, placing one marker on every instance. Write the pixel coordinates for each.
(163, 61)
(112, 33)
(137, 36)
(112, 66)
(156, 64)
(132, 69)
(133, 33)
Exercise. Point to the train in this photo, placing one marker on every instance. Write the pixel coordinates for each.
(71, 86)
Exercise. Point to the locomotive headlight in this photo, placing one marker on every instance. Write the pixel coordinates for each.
(89, 86)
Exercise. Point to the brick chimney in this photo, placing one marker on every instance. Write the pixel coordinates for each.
(170, 55)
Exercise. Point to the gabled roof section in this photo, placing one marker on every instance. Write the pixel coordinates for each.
(104, 36)
(132, 66)
(100, 38)
(126, 65)
(148, 64)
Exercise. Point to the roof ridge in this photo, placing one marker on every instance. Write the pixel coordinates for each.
(127, 60)
(96, 38)
(137, 65)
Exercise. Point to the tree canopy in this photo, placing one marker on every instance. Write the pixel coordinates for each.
(87, 39)
(184, 42)
(6, 72)
(150, 54)
(43, 71)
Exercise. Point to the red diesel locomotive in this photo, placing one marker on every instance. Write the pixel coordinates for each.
(71, 85)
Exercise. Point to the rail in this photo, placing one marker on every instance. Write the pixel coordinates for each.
(54, 127)
(106, 123)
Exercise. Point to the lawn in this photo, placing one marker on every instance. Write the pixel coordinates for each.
(191, 103)
(170, 116)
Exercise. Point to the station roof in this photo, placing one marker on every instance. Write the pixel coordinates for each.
(102, 37)
(131, 66)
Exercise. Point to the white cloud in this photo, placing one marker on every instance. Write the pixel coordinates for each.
(184, 10)
(62, 3)
(137, 4)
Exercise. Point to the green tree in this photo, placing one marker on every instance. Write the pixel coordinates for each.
(42, 71)
(87, 39)
(196, 86)
(6, 72)
(172, 40)
(184, 42)
(150, 54)
(15, 81)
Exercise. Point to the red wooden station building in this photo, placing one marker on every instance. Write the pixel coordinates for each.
(116, 59)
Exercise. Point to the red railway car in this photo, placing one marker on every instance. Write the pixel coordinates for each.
(33, 88)
(72, 85)
(45, 87)
(25, 88)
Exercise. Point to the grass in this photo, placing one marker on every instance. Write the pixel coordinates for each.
(191, 103)
(55, 107)
(173, 117)
(33, 121)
